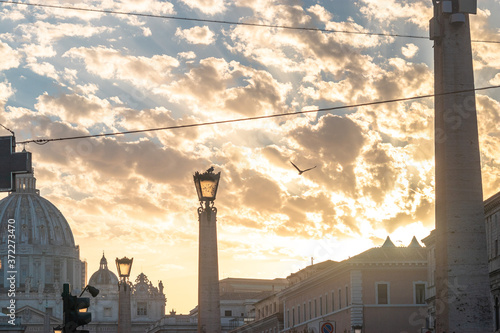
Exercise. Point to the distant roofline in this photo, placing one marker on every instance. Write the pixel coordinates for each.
(229, 279)
(492, 202)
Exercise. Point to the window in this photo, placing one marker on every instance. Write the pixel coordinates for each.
(315, 308)
(305, 313)
(382, 293)
(419, 293)
(142, 308)
(293, 316)
(340, 298)
(320, 305)
(333, 300)
(497, 317)
(228, 313)
(310, 310)
(287, 318)
(326, 303)
(107, 312)
(298, 314)
(346, 296)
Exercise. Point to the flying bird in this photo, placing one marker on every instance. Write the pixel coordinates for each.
(301, 171)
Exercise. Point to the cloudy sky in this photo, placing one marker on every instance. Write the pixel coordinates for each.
(69, 73)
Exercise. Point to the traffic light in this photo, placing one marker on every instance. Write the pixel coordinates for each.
(75, 309)
(77, 315)
(12, 163)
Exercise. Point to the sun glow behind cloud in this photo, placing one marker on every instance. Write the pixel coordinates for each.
(68, 73)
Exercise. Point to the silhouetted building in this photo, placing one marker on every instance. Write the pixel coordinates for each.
(46, 257)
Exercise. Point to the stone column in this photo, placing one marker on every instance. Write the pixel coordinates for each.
(462, 283)
(208, 272)
(124, 313)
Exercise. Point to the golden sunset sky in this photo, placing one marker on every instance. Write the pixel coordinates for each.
(67, 73)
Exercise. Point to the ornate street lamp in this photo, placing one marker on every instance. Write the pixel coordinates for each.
(206, 185)
(124, 266)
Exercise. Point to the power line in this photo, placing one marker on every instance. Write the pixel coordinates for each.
(44, 141)
(7, 129)
(104, 11)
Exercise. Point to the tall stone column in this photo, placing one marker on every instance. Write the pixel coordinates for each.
(208, 272)
(124, 312)
(462, 283)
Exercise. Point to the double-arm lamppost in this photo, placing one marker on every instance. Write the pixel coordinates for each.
(124, 266)
(208, 266)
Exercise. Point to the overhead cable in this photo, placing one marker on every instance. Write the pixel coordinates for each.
(219, 122)
(105, 11)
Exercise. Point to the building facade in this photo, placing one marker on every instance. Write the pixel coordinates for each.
(45, 256)
(238, 298)
(147, 302)
(380, 290)
(492, 218)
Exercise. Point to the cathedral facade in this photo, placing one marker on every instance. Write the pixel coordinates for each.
(147, 302)
(43, 255)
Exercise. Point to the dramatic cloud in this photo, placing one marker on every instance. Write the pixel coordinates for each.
(11, 58)
(196, 35)
(76, 109)
(409, 50)
(207, 6)
(5, 93)
(111, 64)
(211, 86)
(337, 139)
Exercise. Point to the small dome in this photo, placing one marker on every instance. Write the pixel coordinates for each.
(103, 276)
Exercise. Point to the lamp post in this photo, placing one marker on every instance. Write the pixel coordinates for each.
(124, 266)
(207, 184)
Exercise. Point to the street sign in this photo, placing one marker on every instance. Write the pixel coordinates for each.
(327, 327)
(11, 163)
